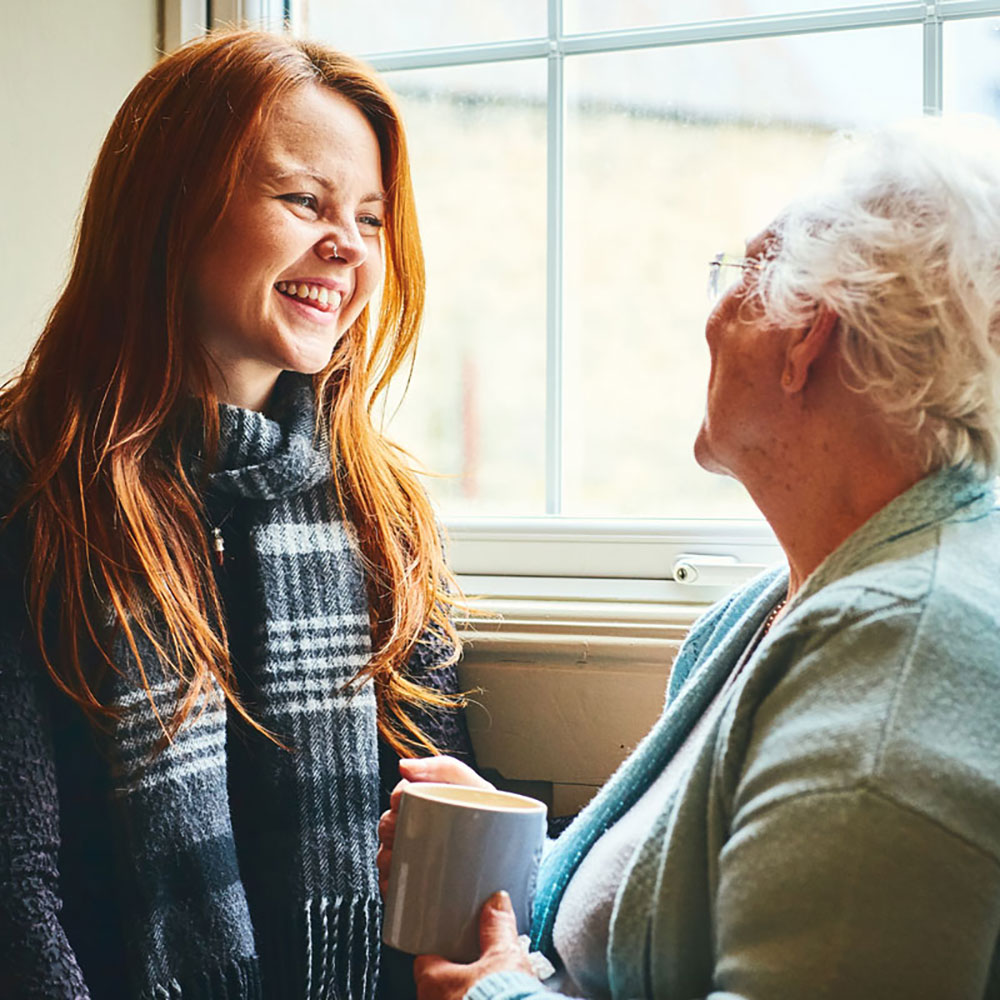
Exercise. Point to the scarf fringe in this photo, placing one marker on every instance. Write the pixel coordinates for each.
(238, 979)
(327, 950)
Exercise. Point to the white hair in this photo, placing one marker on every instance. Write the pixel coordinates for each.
(904, 246)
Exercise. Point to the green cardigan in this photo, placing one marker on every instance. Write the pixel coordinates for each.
(838, 834)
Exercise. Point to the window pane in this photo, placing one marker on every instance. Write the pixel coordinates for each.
(600, 15)
(475, 408)
(672, 155)
(972, 66)
(384, 25)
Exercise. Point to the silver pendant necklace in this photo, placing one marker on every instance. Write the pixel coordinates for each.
(218, 543)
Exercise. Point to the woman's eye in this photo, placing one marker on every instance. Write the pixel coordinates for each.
(303, 201)
(370, 221)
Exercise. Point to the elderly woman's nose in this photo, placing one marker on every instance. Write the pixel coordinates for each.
(346, 244)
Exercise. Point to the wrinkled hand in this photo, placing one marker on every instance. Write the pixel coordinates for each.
(446, 770)
(501, 951)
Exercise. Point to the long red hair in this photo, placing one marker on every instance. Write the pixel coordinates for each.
(100, 414)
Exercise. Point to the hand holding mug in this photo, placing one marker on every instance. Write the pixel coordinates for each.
(447, 847)
(500, 951)
(442, 769)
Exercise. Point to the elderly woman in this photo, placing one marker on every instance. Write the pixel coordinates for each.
(223, 588)
(817, 811)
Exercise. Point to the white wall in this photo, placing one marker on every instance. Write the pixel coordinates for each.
(65, 66)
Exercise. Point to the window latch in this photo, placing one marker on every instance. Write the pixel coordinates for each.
(713, 571)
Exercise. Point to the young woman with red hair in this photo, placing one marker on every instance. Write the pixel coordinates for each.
(226, 606)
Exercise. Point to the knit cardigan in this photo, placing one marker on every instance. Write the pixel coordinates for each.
(838, 832)
(225, 867)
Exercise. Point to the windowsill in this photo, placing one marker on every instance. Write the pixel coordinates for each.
(570, 671)
(566, 686)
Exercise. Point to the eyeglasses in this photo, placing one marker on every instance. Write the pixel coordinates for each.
(726, 270)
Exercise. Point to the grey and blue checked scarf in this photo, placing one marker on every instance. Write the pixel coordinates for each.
(248, 871)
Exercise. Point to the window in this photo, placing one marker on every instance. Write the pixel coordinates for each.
(577, 162)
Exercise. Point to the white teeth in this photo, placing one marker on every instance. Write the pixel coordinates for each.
(318, 295)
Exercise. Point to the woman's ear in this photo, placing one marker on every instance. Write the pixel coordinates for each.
(806, 346)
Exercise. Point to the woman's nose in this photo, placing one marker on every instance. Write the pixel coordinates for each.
(345, 246)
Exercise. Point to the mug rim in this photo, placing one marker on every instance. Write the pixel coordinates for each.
(514, 802)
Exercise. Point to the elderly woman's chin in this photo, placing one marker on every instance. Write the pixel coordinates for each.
(705, 453)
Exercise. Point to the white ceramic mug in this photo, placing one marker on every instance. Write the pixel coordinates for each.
(454, 847)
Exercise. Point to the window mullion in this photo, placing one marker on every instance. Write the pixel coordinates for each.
(268, 15)
(182, 20)
(933, 69)
(747, 28)
(954, 9)
(555, 126)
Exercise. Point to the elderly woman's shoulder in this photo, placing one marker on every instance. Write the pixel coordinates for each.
(893, 671)
(949, 567)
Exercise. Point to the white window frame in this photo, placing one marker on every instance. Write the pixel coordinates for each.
(554, 562)
(182, 20)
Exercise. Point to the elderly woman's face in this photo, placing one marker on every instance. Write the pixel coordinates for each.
(298, 254)
(743, 383)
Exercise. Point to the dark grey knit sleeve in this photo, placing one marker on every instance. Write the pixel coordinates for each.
(36, 960)
(446, 728)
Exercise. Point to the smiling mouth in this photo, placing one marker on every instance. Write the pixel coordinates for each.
(317, 296)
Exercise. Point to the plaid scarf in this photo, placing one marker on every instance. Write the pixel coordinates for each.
(247, 870)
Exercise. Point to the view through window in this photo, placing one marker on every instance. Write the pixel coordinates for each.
(672, 148)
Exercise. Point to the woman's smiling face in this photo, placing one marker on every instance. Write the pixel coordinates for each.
(298, 253)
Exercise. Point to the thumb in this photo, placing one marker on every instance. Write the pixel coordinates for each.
(497, 924)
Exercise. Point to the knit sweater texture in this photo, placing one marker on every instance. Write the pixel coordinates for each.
(837, 834)
(224, 866)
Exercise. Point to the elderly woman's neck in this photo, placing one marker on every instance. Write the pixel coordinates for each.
(819, 501)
